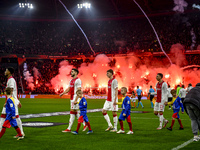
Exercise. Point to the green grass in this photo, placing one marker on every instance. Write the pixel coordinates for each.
(144, 126)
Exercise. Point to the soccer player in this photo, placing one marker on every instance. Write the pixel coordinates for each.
(182, 93)
(10, 115)
(176, 107)
(139, 94)
(74, 85)
(111, 102)
(169, 96)
(11, 83)
(133, 99)
(126, 111)
(161, 92)
(83, 115)
(151, 90)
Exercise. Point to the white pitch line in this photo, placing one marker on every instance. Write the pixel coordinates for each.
(183, 145)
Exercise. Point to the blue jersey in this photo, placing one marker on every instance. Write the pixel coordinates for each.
(126, 106)
(151, 90)
(83, 104)
(10, 108)
(177, 104)
(138, 91)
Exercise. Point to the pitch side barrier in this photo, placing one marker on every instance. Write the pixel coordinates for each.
(66, 96)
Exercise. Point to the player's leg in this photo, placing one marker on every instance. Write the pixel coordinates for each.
(3, 130)
(88, 124)
(128, 119)
(73, 113)
(106, 107)
(139, 99)
(3, 117)
(121, 119)
(114, 109)
(13, 123)
(174, 116)
(151, 99)
(80, 120)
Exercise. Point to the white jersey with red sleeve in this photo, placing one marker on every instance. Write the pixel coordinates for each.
(112, 85)
(74, 84)
(11, 83)
(161, 92)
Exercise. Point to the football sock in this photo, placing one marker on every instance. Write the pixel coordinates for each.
(134, 104)
(89, 127)
(121, 124)
(3, 130)
(71, 120)
(179, 121)
(1, 122)
(172, 124)
(107, 119)
(78, 126)
(19, 123)
(130, 126)
(141, 104)
(18, 131)
(151, 104)
(115, 120)
(161, 119)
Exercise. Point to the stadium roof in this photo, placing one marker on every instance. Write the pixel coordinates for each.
(100, 8)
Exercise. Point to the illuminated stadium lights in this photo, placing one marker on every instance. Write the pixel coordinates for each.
(84, 5)
(26, 5)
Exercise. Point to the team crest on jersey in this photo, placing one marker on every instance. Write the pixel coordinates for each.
(128, 102)
(83, 103)
(11, 105)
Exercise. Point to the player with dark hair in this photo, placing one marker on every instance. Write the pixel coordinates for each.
(10, 115)
(11, 83)
(111, 102)
(126, 111)
(74, 85)
(159, 107)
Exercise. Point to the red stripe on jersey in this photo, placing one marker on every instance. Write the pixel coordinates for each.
(159, 91)
(72, 82)
(110, 90)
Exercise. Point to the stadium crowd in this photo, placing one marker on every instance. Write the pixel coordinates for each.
(109, 37)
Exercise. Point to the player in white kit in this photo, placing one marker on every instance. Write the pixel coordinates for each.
(111, 102)
(74, 85)
(161, 101)
(182, 93)
(11, 83)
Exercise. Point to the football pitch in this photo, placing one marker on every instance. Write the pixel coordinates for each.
(145, 136)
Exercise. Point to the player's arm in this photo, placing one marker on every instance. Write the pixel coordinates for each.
(76, 98)
(127, 106)
(116, 96)
(164, 99)
(65, 92)
(155, 92)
